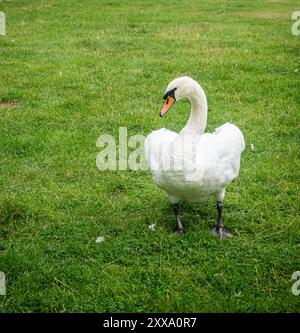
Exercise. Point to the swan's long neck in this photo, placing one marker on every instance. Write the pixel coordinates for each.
(198, 118)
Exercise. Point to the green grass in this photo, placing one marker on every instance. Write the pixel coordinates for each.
(80, 69)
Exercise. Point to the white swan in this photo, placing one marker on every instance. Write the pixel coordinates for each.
(192, 165)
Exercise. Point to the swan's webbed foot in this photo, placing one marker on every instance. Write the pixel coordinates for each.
(221, 232)
(179, 231)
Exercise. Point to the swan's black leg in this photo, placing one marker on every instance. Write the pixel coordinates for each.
(180, 229)
(219, 208)
(219, 229)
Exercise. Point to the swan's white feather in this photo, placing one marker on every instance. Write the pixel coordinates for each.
(205, 169)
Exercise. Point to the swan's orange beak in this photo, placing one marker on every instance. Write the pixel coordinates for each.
(169, 102)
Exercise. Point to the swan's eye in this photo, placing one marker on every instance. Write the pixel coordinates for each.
(170, 93)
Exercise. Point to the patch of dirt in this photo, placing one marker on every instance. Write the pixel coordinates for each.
(8, 105)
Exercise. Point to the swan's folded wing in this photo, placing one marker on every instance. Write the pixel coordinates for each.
(232, 137)
(221, 152)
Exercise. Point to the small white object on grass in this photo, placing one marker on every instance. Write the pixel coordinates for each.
(152, 227)
(252, 148)
(100, 239)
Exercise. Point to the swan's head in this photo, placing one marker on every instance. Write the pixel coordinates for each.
(179, 88)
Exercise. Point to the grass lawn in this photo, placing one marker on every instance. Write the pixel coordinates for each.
(73, 70)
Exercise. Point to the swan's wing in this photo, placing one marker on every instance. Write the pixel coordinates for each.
(157, 148)
(221, 153)
(208, 165)
(232, 136)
